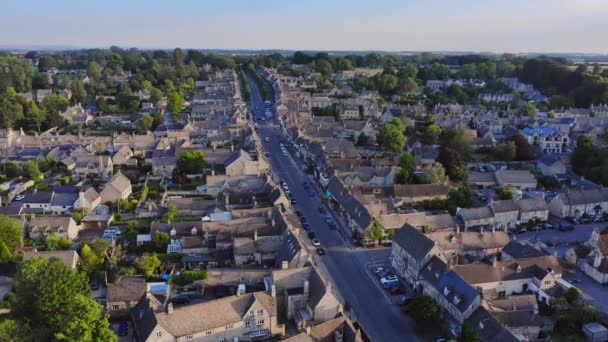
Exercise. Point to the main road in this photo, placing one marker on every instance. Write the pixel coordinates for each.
(347, 267)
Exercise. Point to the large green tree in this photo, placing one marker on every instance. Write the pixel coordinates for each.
(56, 302)
(175, 102)
(408, 166)
(425, 311)
(391, 137)
(191, 162)
(11, 234)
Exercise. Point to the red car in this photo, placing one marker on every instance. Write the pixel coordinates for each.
(397, 290)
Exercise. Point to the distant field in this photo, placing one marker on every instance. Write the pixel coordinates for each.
(603, 65)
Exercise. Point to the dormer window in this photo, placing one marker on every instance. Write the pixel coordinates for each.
(193, 231)
(173, 232)
(457, 300)
(446, 291)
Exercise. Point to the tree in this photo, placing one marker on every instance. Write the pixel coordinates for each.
(572, 294)
(55, 104)
(468, 334)
(37, 114)
(506, 152)
(93, 70)
(5, 253)
(408, 166)
(79, 214)
(425, 311)
(12, 330)
(56, 243)
(436, 173)
(175, 102)
(11, 234)
(191, 162)
(56, 302)
(528, 109)
(148, 264)
(78, 92)
(523, 149)
(391, 137)
(155, 95)
(161, 241)
(506, 194)
(170, 214)
(431, 134)
(145, 123)
(375, 232)
(31, 169)
(387, 84)
(89, 261)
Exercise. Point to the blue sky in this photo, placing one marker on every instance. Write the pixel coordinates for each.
(429, 25)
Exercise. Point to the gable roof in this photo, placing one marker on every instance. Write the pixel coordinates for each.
(413, 242)
(68, 257)
(126, 289)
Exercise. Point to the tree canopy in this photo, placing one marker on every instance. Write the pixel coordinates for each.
(191, 162)
(11, 234)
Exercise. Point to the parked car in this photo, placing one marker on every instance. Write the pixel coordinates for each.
(322, 210)
(321, 251)
(311, 235)
(316, 242)
(123, 329)
(390, 284)
(94, 284)
(566, 228)
(397, 290)
(549, 226)
(19, 198)
(181, 299)
(404, 300)
(306, 225)
(379, 269)
(299, 213)
(293, 201)
(388, 279)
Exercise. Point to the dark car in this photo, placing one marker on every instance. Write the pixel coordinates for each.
(322, 210)
(397, 290)
(331, 225)
(183, 299)
(293, 200)
(123, 329)
(404, 300)
(321, 251)
(94, 284)
(302, 219)
(311, 235)
(306, 226)
(298, 213)
(566, 228)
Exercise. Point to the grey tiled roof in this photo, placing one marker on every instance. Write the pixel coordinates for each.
(413, 242)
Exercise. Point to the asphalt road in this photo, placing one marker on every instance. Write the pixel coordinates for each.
(346, 266)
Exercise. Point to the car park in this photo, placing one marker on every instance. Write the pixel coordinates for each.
(316, 242)
(379, 269)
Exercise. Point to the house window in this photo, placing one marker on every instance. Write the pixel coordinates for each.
(247, 324)
(548, 282)
(208, 332)
(260, 322)
(376, 191)
(159, 334)
(115, 307)
(189, 337)
(251, 312)
(229, 326)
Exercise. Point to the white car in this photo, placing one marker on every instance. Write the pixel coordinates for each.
(112, 231)
(389, 279)
(316, 242)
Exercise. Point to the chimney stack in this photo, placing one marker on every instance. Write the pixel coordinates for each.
(255, 235)
(306, 287)
(273, 291)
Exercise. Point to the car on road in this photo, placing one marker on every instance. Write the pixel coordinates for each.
(311, 235)
(322, 210)
(311, 193)
(293, 201)
(267, 154)
(389, 279)
(316, 242)
(321, 251)
(397, 290)
(267, 139)
(123, 329)
(566, 228)
(332, 225)
(299, 213)
(306, 225)
(19, 198)
(328, 219)
(303, 219)
(440, 339)
(549, 226)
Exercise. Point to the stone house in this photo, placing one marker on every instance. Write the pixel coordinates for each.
(575, 203)
(118, 187)
(123, 295)
(239, 317)
(60, 226)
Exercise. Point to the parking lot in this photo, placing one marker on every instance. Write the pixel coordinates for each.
(393, 293)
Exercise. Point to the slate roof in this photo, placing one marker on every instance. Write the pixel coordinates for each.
(126, 289)
(505, 206)
(68, 257)
(533, 204)
(458, 287)
(577, 197)
(518, 250)
(469, 214)
(413, 242)
(488, 328)
(64, 199)
(507, 269)
(39, 197)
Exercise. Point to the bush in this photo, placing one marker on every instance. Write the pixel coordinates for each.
(572, 294)
(425, 311)
(188, 277)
